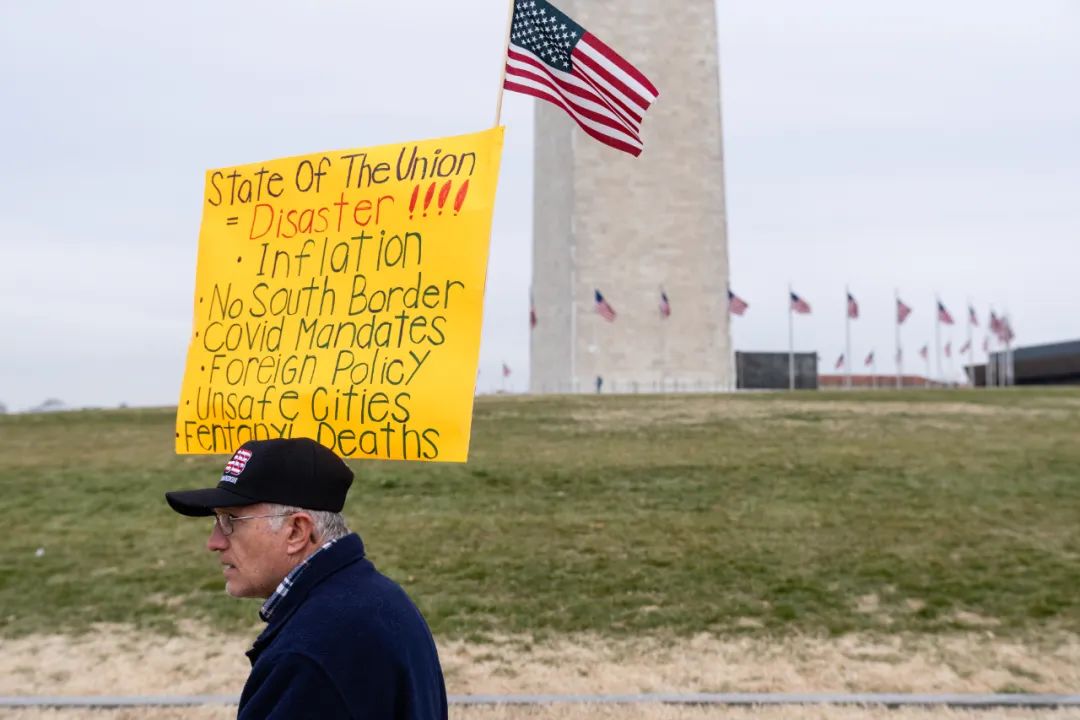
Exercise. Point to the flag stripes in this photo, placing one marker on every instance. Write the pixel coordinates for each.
(736, 305)
(665, 305)
(902, 311)
(603, 308)
(585, 109)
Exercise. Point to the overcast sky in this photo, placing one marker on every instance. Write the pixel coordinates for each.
(929, 146)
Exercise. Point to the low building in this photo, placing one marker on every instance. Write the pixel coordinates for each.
(1050, 364)
(770, 371)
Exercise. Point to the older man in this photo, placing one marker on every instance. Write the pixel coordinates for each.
(341, 640)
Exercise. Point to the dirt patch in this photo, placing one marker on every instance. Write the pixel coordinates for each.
(117, 661)
(961, 663)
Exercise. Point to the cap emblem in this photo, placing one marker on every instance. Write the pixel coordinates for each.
(236, 465)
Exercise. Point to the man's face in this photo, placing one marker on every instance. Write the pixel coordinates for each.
(253, 558)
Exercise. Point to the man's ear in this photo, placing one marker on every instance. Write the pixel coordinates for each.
(301, 532)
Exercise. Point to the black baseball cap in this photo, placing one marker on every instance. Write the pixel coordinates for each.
(287, 471)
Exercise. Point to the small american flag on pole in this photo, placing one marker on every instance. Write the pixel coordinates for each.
(869, 359)
(964, 348)
(943, 314)
(553, 58)
(506, 370)
(902, 311)
(840, 361)
(798, 305)
(665, 306)
(532, 314)
(736, 304)
(852, 307)
(925, 352)
(603, 308)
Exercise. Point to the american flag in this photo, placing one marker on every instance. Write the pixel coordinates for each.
(995, 324)
(553, 58)
(869, 359)
(799, 305)
(973, 318)
(506, 370)
(943, 314)
(665, 306)
(532, 314)
(964, 348)
(604, 308)
(736, 304)
(902, 311)
(840, 361)
(852, 307)
(925, 352)
(1006, 330)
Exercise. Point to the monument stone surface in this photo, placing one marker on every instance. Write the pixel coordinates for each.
(635, 227)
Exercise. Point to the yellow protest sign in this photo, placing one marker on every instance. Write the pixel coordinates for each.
(338, 296)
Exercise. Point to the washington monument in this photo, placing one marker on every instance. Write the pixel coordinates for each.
(632, 228)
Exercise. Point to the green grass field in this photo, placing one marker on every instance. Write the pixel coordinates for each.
(760, 514)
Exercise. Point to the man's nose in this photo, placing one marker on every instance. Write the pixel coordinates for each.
(217, 540)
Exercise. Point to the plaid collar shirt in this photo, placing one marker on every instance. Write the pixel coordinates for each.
(267, 610)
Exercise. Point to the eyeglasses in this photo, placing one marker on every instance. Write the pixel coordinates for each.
(225, 521)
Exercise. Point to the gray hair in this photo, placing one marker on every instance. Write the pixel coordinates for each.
(328, 525)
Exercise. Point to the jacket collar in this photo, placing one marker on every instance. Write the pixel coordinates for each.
(322, 564)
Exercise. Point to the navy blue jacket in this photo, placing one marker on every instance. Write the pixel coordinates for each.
(345, 642)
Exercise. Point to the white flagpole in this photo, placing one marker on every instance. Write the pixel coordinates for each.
(791, 340)
(1002, 370)
(991, 363)
(950, 376)
(896, 319)
(663, 341)
(937, 338)
(1012, 363)
(592, 342)
(1010, 371)
(847, 328)
(573, 318)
